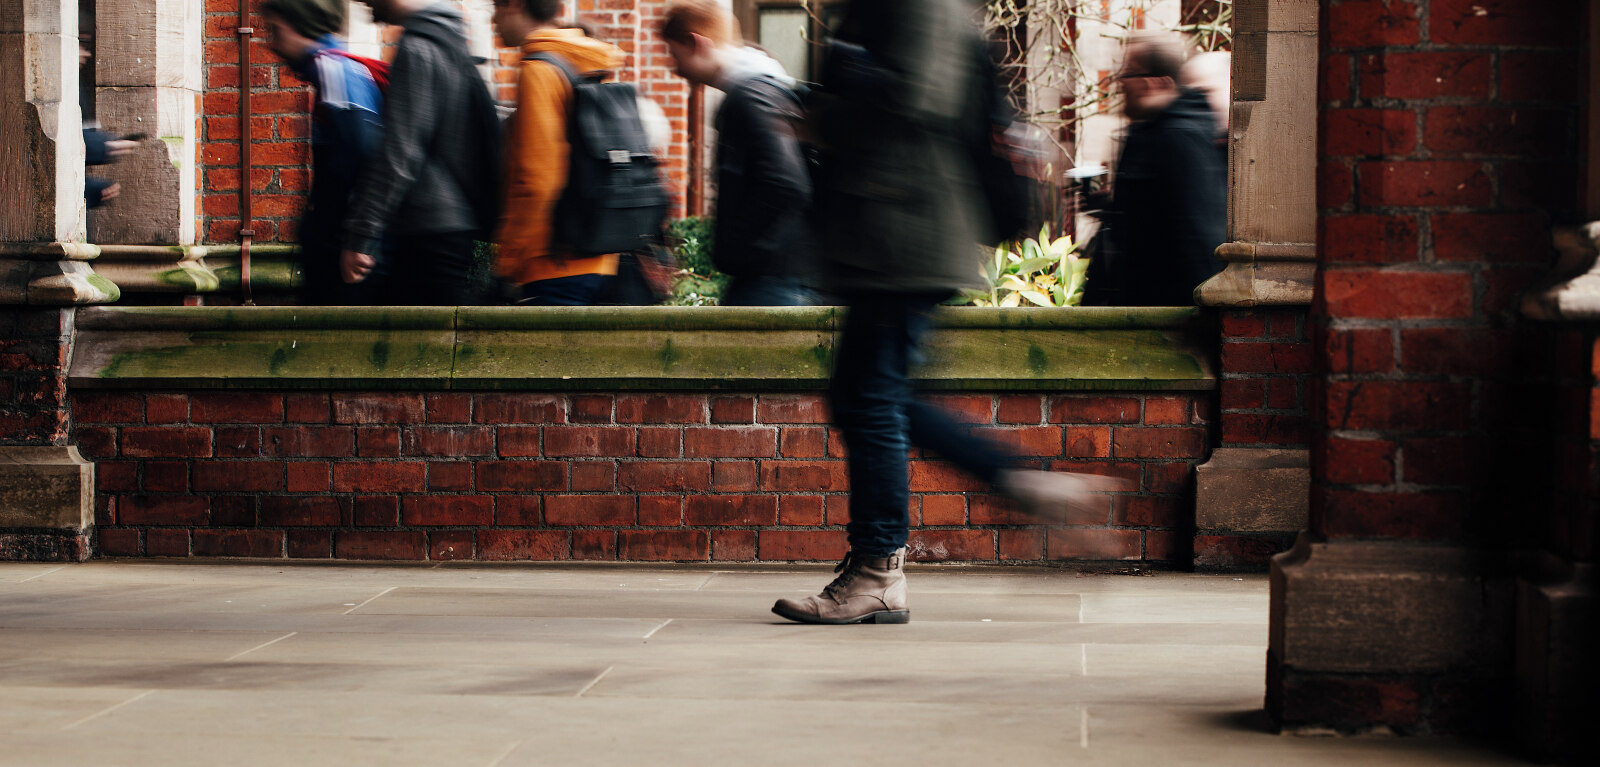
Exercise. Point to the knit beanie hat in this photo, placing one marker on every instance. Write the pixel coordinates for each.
(312, 18)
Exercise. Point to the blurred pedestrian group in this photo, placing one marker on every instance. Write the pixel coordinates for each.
(870, 188)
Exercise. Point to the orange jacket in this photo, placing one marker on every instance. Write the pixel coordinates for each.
(536, 156)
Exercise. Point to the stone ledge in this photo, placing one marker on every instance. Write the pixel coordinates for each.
(1261, 274)
(527, 348)
(45, 488)
(1254, 490)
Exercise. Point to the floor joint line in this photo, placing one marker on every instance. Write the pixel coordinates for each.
(706, 581)
(369, 601)
(260, 646)
(503, 754)
(103, 712)
(658, 628)
(43, 574)
(593, 682)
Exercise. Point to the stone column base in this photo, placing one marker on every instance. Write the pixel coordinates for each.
(1558, 619)
(52, 274)
(1412, 637)
(46, 504)
(1249, 505)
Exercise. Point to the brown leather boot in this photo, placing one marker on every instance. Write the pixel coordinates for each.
(868, 590)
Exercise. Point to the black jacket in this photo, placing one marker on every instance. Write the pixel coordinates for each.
(436, 170)
(1169, 209)
(763, 182)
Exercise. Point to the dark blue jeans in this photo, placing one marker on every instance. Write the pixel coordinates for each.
(880, 415)
(765, 291)
(577, 290)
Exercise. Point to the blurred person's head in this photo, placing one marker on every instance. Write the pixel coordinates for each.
(1149, 76)
(1209, 73)
(293, 26)
(515, 19)
(395, 11)
(696, 32)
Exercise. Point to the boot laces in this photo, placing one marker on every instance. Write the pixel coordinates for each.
(848, 568)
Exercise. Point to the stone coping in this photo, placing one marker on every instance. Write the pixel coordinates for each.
(632, 348)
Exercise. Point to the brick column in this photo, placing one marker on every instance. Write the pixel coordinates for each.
(1251, 497)
(1445, 137)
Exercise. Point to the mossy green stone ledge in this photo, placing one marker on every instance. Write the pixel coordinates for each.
(610, 348)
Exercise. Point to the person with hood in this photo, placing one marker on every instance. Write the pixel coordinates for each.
(432, 185)
(763, 184)
(537, 157)
(345, 131)
(1169, 199)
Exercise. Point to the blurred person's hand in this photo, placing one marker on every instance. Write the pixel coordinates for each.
(120, 147)
(355, 267)
(110, 192)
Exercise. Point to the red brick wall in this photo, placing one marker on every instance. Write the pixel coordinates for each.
(33, 381)
(723, 477)
(280, 124)
(1446, 137)
(1266, 371)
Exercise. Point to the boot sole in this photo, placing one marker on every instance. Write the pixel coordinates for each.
(883, 616)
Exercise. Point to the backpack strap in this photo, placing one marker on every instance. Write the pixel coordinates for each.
(573, 78)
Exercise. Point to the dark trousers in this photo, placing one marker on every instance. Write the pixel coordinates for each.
(577, 290)
(761, 290)
(880, 416)
(428, 270)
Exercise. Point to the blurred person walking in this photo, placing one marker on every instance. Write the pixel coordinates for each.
(345, 132)
(904, 102)
(1168, 208)
(541, 188)
(433, 185)
(761, 234)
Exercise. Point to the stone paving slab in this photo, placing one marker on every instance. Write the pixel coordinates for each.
(270, 664)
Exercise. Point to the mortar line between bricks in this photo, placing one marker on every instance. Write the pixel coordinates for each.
(507, 752)
(593, 682)
(43, 574)
(369, 601)
(105, 711)
(261, 646)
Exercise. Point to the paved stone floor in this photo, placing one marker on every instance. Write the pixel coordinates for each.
(122, 663)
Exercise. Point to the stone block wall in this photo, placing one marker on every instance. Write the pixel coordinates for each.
(725, 477)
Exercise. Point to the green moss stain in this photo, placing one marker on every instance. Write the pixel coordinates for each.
(109, 288)
(1038, 362)
(194, 278)
(379, 355)
(279, 359)
(668, 356)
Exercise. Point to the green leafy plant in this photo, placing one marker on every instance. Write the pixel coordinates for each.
(1034, 272)
(698, 281)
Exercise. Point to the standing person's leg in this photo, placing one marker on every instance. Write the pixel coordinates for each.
(870, 396)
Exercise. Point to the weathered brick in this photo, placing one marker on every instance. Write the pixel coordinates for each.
(590, 510)
(1423, 183)
(1369, 238)
(661, 408)
(166, 476)
(1021, 545)
(234, 510)
(664, 545)
(1264, 429)
(588, 441)
(589, 476)
(664, 476)
(166, 408)
(308, 476)
(522, 476)
(238, 476)
(306, 408)
(942, 477)
(308, 441)
(162, 510)
(1387, 514)
(1166, 411)
(447, 510)
(1237, 551)
(451, 545)
(238, 441)
(449, 476)
(448, 408)
(1367, 132)
(590, 408)
(380, 477)
(1077, 543)
(1149, 442)
(1519, 131)
(379, 408)
(1492, 237)
(107, 407)
(660, 442)
(378, 441)
(448, 441)
(518, 510)
(117, 543)
(1074, 409)
(1397, 405)
(948, 545)
(1151, 510)
(230, 407)
(167, 543)
(518, 408)
(1425, 75)
(730, 510)
(803, 442)
(1364, 23)
(804, 476)
(1497, 22)
(937, 510)
(1378, 294)
(730, 442)
(660, 510)
(261, 544)
(733, 545)
(733, 410)
(1027, 409)
(381, 544)
(802, 545)
(302, 511)
(801, 510)
(791, 408)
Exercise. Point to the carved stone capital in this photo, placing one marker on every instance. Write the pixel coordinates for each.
(1261, 274)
